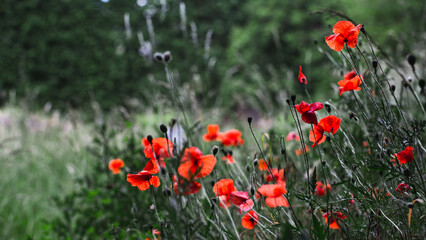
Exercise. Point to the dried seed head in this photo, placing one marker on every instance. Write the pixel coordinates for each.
(392, 88)
(287, 101)
(293, 98)
(249, 120)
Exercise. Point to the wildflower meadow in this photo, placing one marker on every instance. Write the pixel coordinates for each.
(302, 157)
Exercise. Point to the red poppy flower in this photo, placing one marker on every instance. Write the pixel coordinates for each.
(185, 187)
(405, 156)
(328, 124)
(404, 188)
(274, 194)
(351, 82)
(222, 189)
(332, 219)
(292, 136)
(344, 32)
(308, 111)
(228, 158)
(160, 149)
(231, 138)
(320, 189)
(212, 133)
(195, 165)
(250, 220)
(143, 180)
(241, 200)
(115, 165)
(378, 193)
(262, 165)
(301, 77)
(278, 175)
(316, 135)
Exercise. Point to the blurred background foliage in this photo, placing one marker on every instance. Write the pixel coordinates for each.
(231, 54)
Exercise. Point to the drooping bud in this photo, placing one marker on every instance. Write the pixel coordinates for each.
(163, 128)
(149, 138)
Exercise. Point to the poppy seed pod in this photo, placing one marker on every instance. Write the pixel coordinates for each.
(167, 192)
(411, 59)
(287, 101)
(249, 120)
(374, 63)
(405, 84)
(163, 171)
(252, 190)
(392, 88)
(293, 98)
(215, 150)
(158, 57)
(163, 128)
(167, 56)
(149, 138)
(283, 151)
(248, 169)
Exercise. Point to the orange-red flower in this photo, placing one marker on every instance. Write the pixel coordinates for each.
(351, 82)
(195, 165)
(404, 188)
(185, 187)
(405, 156)
(292, 136)
(274, 194)
(231, 138)
(344, 32)
(300, 150)
(278, 175)
(332, 219)
(163, 148)
(301, 77)
(115, 165)
(262, 165)
(228, 158)
(328, 124)
(212, 133)
(320, 189)
(241, 200)
(223, 188)
(308, 111)
(143, 180)
(250, 220)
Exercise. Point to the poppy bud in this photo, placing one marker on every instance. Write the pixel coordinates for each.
(215, 150)
(248, 168)
(213, 201)
(392, 88)
(167, 56)
(327, 107)
(252, 190)
(405, 84)
(354, 166)
(410, 80)
(353, 116)
(293, 98)
(249, 120)
(287, 101)
(158, 57)
(411, 59)
(374, 63)
(422, 83)
(362, 28)
(212, 183)
(323, 163)
(255, 162)
(328, 138)
(149, 138)
(163, 171)
(283, 151)
(230, 153)
(407, 172)
(163, 128)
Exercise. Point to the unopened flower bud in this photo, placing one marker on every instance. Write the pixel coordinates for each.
(215, 150)
(392, 88)
(283, 151)
(255, 162)
(411, 59)
(163, 171)
(252, 190)
(249, 120)
(327, 107)
(163, 128)
(158, 57)
(374, 63)
(167, 56)
(422, 83)
(293, 98)
(287, 101)
(149, 138)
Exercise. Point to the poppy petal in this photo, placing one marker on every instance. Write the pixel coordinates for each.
(335, 42)
(343, 27)
(208, 163)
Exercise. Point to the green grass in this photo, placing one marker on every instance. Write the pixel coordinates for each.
(40, 157)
